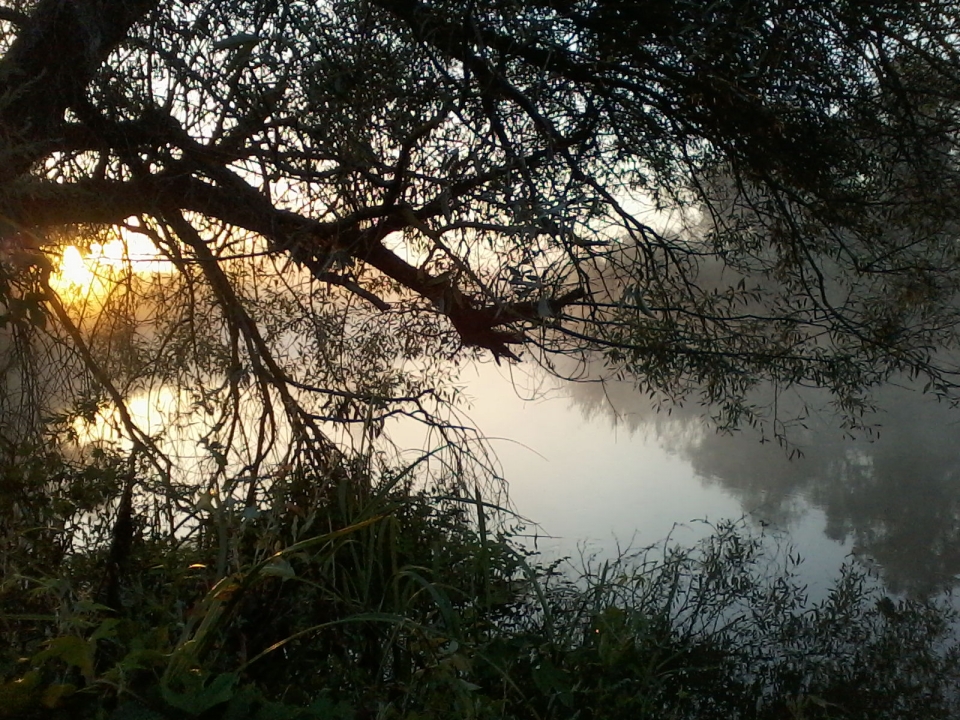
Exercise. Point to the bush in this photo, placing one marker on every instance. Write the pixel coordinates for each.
(358, 597)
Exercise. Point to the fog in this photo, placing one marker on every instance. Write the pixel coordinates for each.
(892, 492)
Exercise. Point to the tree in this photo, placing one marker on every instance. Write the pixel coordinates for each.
(338, 201)
(342, 184)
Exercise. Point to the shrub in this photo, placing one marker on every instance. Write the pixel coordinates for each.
(359, 597)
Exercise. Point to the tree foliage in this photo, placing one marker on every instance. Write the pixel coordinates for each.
(326, 207)
(483, 175)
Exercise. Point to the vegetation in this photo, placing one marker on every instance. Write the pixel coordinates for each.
(481, 177)
(322, 603)
(281, 227)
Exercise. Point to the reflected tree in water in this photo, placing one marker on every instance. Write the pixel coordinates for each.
(892, 489)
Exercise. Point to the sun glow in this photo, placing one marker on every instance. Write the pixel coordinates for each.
(72, 271)
(86, 275)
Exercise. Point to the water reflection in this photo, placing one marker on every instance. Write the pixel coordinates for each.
(895, 496)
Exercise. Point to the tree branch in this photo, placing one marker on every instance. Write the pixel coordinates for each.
(304, 239)
(13, 17)
(49, 66)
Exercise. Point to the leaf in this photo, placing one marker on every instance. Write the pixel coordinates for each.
(142, 659)
(106, 631)
(18, 696)
(281, 568)
(197, 698)
(54, 694)
(73, 650)
(549, 678)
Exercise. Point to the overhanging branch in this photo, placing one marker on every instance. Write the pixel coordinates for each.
(304, 239)
(48, 67)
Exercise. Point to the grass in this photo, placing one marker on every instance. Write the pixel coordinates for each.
(346, 597)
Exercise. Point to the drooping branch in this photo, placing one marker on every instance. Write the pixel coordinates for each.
(307, 241)
(14, 17)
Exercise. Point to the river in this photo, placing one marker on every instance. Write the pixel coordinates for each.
(596, 469)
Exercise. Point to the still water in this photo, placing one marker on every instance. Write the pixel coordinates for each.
(596, 469)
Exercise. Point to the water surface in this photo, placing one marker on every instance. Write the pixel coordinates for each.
(597, 468)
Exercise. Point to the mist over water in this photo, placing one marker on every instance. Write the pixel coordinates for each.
(891, 494)
(594, 487)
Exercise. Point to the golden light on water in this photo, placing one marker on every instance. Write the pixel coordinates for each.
(149, 411)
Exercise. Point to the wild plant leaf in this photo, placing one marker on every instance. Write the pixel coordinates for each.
(71, 649)
(197, 696)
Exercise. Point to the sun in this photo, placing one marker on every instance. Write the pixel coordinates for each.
(84, 276)
(72, 271)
